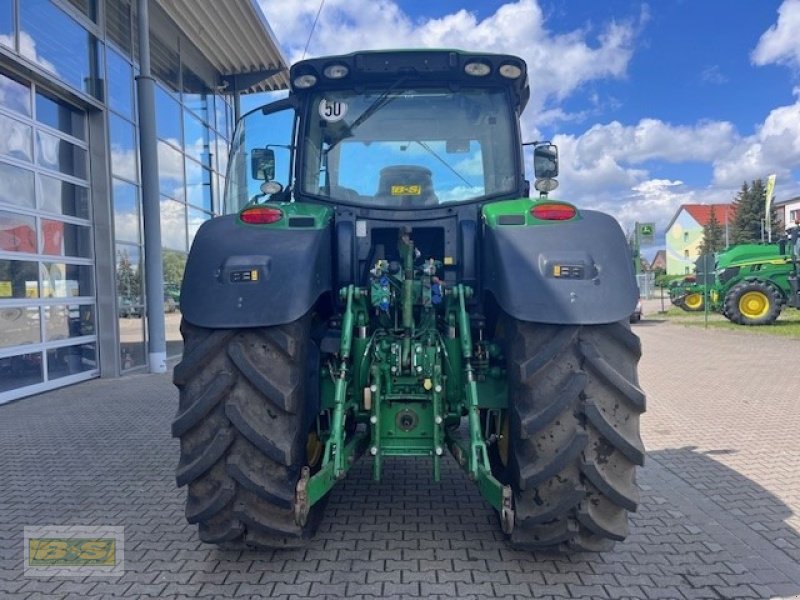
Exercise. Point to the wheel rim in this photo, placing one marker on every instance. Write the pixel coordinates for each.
(313, 449)
(754, 305)
(694, 301)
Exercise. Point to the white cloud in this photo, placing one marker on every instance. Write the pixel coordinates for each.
(713, 75)
(781, 43)
(559, 63)
(607, 167)
(773, 148)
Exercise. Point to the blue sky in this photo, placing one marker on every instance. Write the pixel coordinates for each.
(652, 104)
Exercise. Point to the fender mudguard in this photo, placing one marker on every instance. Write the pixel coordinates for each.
(567, 272)
(249, 276)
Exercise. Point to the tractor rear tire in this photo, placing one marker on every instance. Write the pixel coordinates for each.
(574, 414)
(753, 303)
(243, 431)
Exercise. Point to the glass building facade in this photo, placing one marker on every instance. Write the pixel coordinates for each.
(71, 233)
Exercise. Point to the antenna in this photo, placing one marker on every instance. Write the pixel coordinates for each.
(313, 27)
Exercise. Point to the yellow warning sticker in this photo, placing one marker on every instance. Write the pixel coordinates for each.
(406, 190)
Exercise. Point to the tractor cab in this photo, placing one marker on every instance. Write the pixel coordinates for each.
(387, 131)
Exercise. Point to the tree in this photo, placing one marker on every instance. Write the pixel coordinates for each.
(749, 204)
(174, 263)
(129, 279)
(713, 235)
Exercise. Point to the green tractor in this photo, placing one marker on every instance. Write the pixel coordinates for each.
(755, 281)
(382, 285)
(687, 294)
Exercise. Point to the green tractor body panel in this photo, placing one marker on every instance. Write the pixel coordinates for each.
(382, 208)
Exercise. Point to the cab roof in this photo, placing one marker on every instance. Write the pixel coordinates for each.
(418, 67)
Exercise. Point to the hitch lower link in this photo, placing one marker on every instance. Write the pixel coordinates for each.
(471, 455)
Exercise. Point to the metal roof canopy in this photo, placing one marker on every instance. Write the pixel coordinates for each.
(236, 39)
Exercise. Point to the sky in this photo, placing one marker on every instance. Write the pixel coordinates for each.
(652, 105)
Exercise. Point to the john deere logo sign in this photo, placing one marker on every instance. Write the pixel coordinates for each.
(647, 233)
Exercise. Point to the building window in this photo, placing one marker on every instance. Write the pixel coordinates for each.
(123, 148)
(73, 55)
(793, 216)
(47, 287)
(119, 18)
(686, 253)
(7, 23)
(120, 84)
(686, 270)
(87, 7)
(685, 236)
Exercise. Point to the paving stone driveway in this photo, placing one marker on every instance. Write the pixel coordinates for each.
(718, 519)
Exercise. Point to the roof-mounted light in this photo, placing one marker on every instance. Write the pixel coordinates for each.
(303, 82)
(510, 71)
(336, 71)
(546, 184)
(477, 69)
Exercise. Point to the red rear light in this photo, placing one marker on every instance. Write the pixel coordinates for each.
(554, 212)
(261, 215)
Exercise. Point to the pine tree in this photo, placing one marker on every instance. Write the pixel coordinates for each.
(749, 204)
(713, 235)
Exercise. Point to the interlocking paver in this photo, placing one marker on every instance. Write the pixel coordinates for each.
(719, 516)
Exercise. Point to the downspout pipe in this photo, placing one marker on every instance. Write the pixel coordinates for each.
(151, 212)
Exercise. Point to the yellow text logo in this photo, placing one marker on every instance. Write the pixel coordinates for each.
(406, 190)
(72, 552)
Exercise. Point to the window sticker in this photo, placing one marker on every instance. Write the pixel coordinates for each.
(332, 110)
(406, 190)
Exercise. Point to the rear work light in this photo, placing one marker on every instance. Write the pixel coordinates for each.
(261, 215)
(554, 212)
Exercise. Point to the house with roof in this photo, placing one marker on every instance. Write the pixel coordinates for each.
(659, 261)
(684, 234)
(789, 210)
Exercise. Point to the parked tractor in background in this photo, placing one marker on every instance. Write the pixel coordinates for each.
(687, 294)
(755, 281)
(382, 284)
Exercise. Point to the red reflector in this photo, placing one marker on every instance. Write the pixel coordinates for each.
(261, 215)
(554, 212)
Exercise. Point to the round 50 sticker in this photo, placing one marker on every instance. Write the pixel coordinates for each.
(332, 110)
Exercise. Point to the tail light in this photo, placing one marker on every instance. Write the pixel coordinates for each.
(261, 215)
(554, 212)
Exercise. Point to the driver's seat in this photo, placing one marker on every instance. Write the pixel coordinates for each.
(407, 184)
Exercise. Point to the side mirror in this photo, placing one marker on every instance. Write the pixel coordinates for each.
(262, 164)
(545, 161)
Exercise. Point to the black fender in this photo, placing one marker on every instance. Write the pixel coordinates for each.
(241, 275)
(566, 272)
